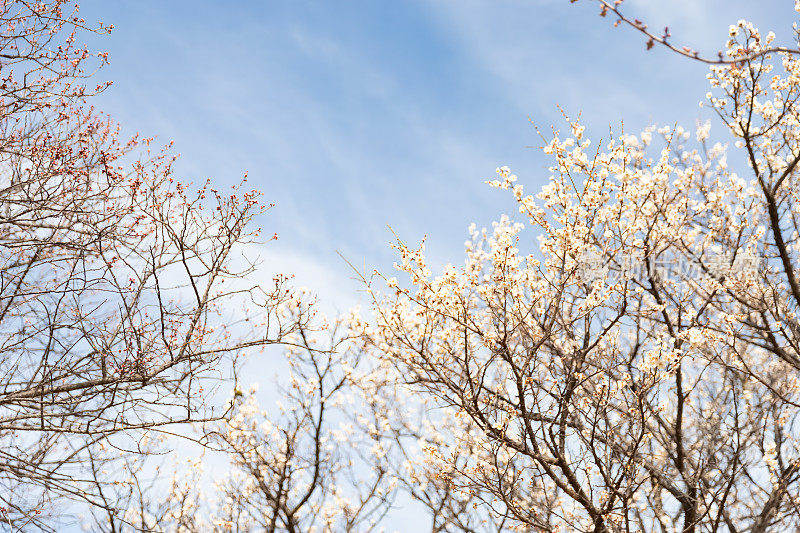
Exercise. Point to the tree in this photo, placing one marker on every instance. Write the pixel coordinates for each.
(639, 371)
(340, 451)
(113, 281)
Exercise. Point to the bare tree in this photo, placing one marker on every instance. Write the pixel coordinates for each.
(115, 278)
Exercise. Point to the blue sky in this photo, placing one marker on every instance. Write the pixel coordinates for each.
(357, 115)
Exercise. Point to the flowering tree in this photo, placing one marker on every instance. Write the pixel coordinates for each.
(639, 371)
(112, 274)
(340, 450)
